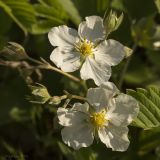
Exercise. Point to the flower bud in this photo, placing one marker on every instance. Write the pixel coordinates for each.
(39, 94)
(13, 51)
(111, 21)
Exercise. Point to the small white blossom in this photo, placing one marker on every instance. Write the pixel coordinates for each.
(86, 49)
(106, 115)
(156, 44)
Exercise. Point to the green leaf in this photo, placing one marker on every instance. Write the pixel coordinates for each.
(157, 2)
(149, 102)
(7, 22)
(21, 12)
(43, 26)
(72, 11)
(50, 13)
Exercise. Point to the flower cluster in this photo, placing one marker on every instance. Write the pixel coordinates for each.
(106, 112)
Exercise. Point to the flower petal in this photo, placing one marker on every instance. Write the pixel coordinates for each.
(81, 107)
(63, 36)
(68, 117)
(101, 96)
(110, 87)
(78, 136)
(66, 58)
(123, 110)
(114, 137)
(109, 52)
(92, 70)
(92, 29)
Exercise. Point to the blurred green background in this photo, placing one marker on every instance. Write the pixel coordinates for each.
(28, 131)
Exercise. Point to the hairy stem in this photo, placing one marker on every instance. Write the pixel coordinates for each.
(71, 96)
(79, 97)
(63, 73)
(34, 60)
(46, 65)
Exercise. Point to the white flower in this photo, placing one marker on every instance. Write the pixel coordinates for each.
(106, 115)
(156, 44)
(86, 49)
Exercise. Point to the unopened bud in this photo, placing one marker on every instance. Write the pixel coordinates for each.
(111, 21)
(39, 94)
(13, 51)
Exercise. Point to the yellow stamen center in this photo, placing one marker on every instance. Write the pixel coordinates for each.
(85, 48)
(98, 119)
